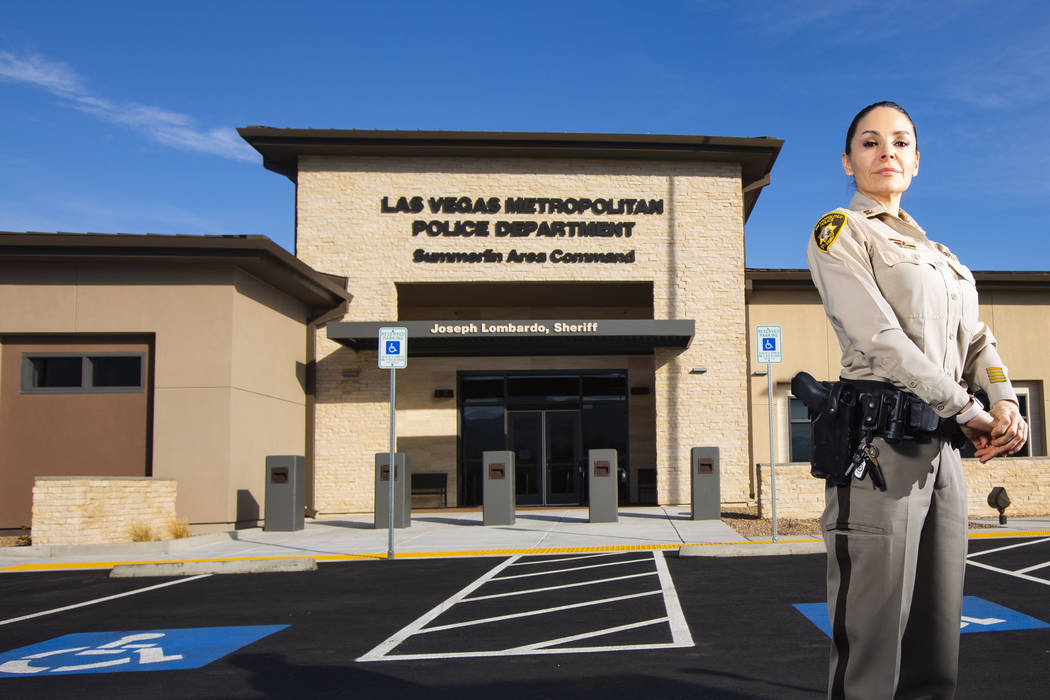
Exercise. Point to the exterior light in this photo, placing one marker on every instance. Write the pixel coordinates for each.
(698, 370)
(348, 373)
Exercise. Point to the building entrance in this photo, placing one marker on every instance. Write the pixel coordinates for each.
(549, 420)
(547, 450)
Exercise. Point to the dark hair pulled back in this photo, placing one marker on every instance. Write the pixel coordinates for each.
(862, 113)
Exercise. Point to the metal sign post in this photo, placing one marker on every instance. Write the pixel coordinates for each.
(393, 354)
(770, 352)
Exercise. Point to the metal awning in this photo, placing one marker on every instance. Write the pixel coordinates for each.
(522, 337)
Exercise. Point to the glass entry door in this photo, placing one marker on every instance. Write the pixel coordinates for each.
(546, 445)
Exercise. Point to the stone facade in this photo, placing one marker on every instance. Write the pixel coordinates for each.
(1026, 480)
(692, 254)
(98, 510)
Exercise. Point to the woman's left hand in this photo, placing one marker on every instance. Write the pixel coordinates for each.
(1010, 432)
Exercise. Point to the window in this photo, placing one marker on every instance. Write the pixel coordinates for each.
(798, 425)
(77, 373)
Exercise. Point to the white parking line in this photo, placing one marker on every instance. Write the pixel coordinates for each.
(530, 613)
(576, 568)
(1034, 567)
(675, 619)
(554, 588)
(559, 559)
(1015, 574)
(102, 600)
(1009, 546)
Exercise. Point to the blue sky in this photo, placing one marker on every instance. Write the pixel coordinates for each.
(120, 116)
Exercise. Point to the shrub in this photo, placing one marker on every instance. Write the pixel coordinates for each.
(178, 528)
(141, 532)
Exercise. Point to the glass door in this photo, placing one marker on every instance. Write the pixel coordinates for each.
(562, 457)
(546, 446)
(525, 434)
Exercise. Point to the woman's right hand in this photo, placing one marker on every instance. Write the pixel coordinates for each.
(979, 432)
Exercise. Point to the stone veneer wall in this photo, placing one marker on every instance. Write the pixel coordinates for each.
(693, 254)
(96, 510)
(1026, 479)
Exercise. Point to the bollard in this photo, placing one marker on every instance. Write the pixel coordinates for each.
(285, 502)
(601, 485)
(498, 497)
(707, 494)
(402, 491)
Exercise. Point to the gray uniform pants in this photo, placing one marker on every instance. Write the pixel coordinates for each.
(896, 561)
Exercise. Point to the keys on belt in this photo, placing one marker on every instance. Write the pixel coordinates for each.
(866, 461)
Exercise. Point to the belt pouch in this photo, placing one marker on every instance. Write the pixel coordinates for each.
(831, 435)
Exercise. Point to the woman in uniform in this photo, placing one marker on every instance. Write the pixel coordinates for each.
(905, 312)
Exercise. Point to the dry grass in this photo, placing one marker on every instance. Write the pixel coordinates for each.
(141, 532)
(178, 528)
(746, 522)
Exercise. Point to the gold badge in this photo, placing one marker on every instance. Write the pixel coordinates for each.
(827, 229)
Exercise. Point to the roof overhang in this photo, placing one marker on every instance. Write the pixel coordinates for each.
(282, 148)
(257, 255)
(522, 337)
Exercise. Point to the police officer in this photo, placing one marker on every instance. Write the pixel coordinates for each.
(904, 310)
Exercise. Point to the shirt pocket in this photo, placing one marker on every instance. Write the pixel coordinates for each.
(910, 283)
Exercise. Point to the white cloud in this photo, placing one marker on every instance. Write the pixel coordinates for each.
(169, 128)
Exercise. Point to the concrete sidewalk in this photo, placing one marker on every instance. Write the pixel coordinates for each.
(446, 533)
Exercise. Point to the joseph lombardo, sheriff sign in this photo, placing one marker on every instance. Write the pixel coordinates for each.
(530, 328)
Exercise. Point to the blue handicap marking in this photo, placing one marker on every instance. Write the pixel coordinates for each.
(143, 650)
(769, 344)
(393, 347)
(978, 615)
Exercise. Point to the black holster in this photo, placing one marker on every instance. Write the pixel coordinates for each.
(833, 414)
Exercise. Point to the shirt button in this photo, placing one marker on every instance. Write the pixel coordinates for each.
(913, 383)
(940, 407)
(955, 296)
(951, 336)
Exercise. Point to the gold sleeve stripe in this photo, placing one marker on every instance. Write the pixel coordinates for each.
(996, 375)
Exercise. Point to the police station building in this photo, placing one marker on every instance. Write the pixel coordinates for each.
(561, 293)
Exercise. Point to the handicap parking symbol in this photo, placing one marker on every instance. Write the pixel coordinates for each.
(769, 344)
(393, 347)
(978, 615)
(143, 650)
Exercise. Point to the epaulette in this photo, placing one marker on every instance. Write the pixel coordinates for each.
(827, 229)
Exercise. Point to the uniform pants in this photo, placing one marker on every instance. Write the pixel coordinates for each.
(896, 561)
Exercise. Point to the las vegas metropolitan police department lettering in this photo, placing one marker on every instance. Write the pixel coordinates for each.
(482, 328)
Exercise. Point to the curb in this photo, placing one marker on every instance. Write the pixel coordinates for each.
(115, 549)
(198, 568)
(752, 549)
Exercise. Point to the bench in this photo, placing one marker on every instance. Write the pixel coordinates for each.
(431, 484)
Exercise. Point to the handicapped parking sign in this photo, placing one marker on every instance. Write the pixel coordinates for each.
(770, 348)
(393, 348)
(141, 650)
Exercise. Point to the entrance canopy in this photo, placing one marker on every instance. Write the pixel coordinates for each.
(522, 337)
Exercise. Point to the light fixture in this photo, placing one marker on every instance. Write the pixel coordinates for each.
(349, 373)
(999, 500)
(443, 394)
(698, 370)
(760, 373)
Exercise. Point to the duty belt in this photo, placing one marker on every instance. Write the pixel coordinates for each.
(887, 412)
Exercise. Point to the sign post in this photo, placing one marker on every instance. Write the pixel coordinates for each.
(770, 352)
(393, 355)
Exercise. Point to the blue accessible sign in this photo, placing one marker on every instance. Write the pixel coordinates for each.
(978, 615)
(114, 652)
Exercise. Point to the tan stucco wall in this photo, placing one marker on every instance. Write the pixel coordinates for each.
(229, 370)
(693, 254)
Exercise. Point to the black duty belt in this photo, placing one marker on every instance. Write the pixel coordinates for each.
(884, 411)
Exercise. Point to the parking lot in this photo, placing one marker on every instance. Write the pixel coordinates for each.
(601, 624)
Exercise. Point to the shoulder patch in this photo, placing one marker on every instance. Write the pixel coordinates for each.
(827, 229)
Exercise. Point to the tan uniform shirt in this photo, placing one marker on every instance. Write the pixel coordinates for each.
(903, 307)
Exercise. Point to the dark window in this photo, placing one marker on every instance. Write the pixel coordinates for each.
(122, 371)
(81, 373)
(798, 418)
(56, 372)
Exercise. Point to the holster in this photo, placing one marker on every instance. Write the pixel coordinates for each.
(833, 415)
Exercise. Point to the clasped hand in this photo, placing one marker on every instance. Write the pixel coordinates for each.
(998, 431)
